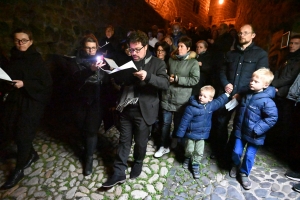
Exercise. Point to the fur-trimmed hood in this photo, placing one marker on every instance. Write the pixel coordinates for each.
(191, 55)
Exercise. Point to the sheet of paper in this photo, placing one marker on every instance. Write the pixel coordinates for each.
(152, 42)
(231, 104)
(111, 63)
(4, 76)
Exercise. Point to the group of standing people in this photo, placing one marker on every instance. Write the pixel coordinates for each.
(169, 86)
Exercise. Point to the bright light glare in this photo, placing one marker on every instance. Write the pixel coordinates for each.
(221, 1)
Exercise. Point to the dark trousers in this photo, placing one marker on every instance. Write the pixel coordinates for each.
(132, 126)
(89, 119)
(168, 116)
(21, 120)
(221, 143)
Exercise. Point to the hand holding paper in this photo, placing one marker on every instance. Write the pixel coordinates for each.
(231, 104)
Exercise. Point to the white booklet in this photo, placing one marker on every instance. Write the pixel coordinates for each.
(4, 76)
(231, 104)
(116, 68)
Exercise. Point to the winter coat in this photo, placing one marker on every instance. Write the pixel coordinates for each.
(29, 67)
(196, 121)
(240, 65)
(188, 73)
(287, 74)
(205, 71)
(90, 85)
(294, 91)
(24, 107)
(257, 113)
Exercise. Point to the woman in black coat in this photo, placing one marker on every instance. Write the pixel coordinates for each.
(204, 60)
(92, 83)
(26, 98)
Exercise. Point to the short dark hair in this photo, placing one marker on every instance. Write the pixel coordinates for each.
(186, 41)
(22, 30)
(164, 45)
(138, 36)
(89, 38)
(295, 37)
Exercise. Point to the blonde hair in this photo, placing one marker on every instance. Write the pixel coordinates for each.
(210, 89)
(265, 75)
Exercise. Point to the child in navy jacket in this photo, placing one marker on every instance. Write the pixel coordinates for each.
(257, 113)
(196, 124)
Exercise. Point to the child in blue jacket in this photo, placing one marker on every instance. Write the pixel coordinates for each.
(195, 125)
(257, 113)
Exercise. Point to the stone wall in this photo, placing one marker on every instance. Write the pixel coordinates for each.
(268, 17)
(221, 12)
(57, 25)
(169, 9)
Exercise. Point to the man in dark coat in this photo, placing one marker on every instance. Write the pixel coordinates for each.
(139, 106)
(284, 78)
(235, 76)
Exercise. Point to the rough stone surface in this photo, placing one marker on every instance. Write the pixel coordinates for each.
(162, 178)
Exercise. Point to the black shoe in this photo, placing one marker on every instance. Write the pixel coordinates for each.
(34, 157)
(13, 179)
(296, 187)
(212, 156)
(293, 175)
(88, 168)
(115, 179)
(136, 170)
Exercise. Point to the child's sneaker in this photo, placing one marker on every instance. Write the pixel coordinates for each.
(186, 163)
(196, 172)
(233, 171)
(246, 183)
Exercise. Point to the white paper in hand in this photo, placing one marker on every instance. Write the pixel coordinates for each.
(231, 104)
(4, 75)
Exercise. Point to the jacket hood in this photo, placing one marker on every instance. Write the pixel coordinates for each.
(191, 55)
(269, 92)
(194, 101)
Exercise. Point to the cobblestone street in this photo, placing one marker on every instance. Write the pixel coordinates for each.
(58, 174)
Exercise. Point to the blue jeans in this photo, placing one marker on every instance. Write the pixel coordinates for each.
(166, 128)
(249, 156)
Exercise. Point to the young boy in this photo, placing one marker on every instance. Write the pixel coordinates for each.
(256, 114)
(196, 124)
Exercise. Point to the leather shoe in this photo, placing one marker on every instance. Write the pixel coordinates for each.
(136, 170)
(13, 179)
(115, 179)
(34, 157)
(88, 169)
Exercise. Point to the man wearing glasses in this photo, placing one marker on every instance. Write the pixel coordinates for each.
(235, 75)
(138, 105)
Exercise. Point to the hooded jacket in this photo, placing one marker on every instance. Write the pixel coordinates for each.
(256, 115)
(188, 73)
(196, 121)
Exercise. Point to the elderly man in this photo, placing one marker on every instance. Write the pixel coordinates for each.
(139, 107)
(235, 76)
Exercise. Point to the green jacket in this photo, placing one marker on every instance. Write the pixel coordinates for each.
(188, 73)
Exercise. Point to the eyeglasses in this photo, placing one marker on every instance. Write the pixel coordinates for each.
(22, 41)
(244, 33)
(91, 48)
(160, 51)
(136, 50)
